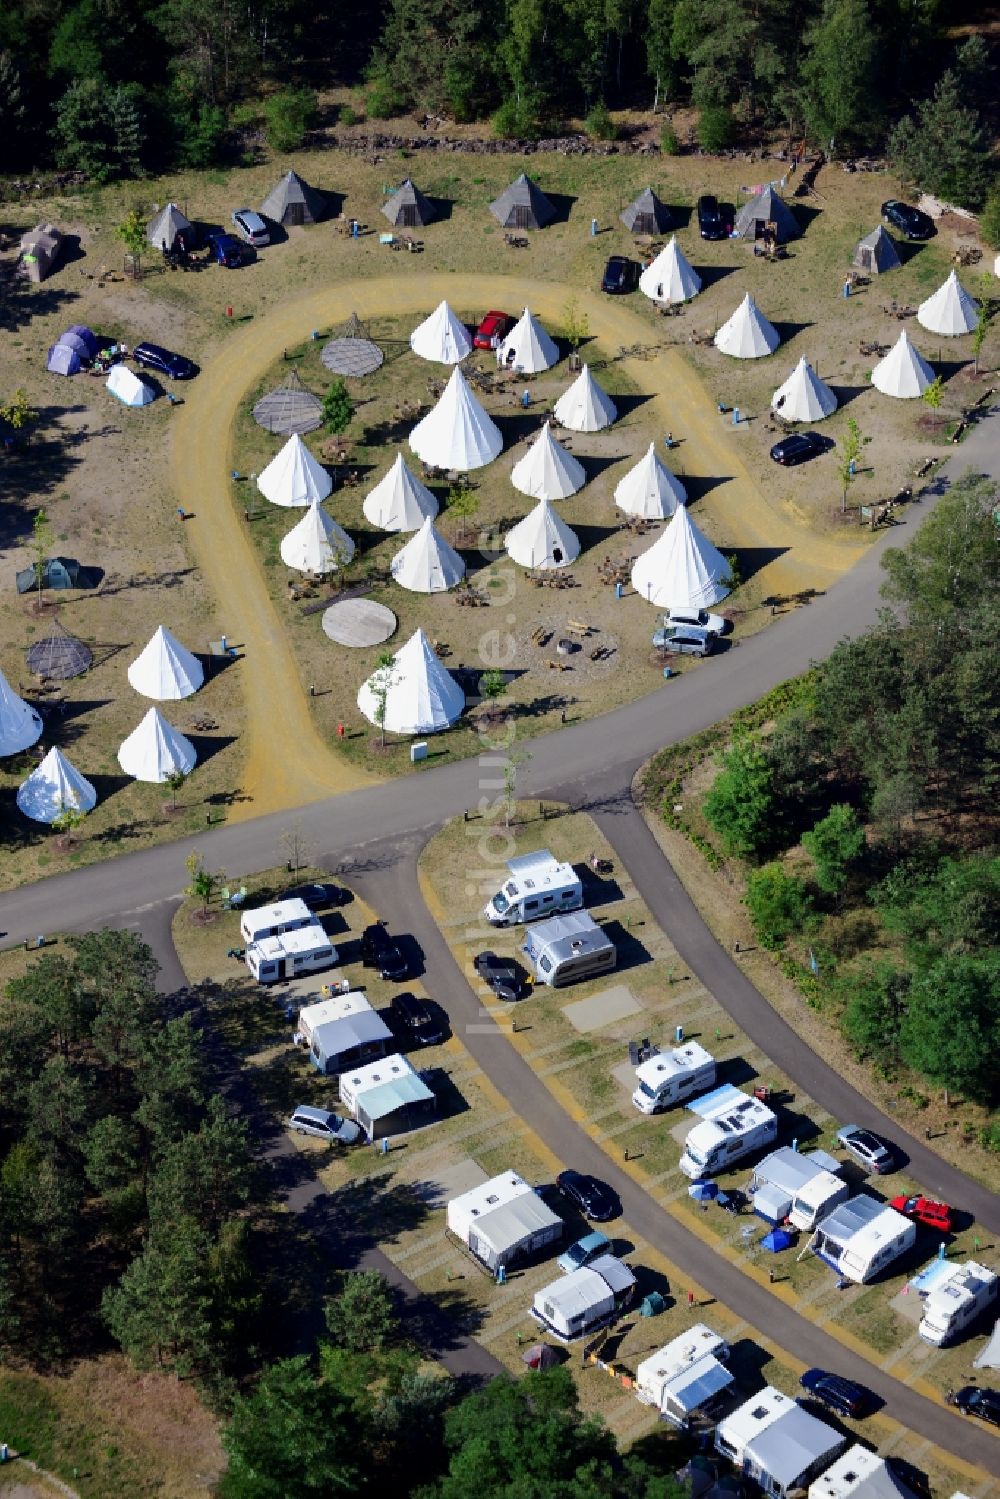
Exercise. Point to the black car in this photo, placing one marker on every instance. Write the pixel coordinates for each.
(798, 448)
(379, 950)
(595, 1200)
(621, 275)
(974, 1400)
(499, 974)
(317, 895)
(415, 1017)
(713, 221)
(152, 357)
(912, 222)
(841, 1395)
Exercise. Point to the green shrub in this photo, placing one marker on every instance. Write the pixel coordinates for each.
(512, 120)
(288, 116)
(669, 143)
(989, 220)
(349, 115)
(716, 128)
(203, 136)
(740, 805)
(599, 125)
(383, 100)
(778, 904)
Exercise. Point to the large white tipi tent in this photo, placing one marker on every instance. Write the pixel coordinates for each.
(547, 471)
(20, 725)
(950, 311)
(671, 276)
(457, 433)
(747, 334)
(317, 544)
(294, 476)
(442, 338)
(682, 569)
(527, 347)
(543, 539)
(585, 407)
(399, 502)
(53, 788)
(155, 749)
(166, 670)
(650, 489)
(422, 697)
(804, 397)
(427, 564)
(903, 372)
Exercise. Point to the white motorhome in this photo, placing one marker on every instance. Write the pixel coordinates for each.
(304, 949)
(956, 1301)
(538, 886)
(786, 1175)
(568, 948)
(861, 1237)
(777, 1444)
(580, 1303)
(733, 1125)
(672, 1076)
(503, 1220)
(271, 921)
(685, 1376)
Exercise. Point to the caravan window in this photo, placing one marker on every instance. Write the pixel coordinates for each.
(545, 964)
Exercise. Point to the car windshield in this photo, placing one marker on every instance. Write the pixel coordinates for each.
(647, 1091)
(576, 1253)
(697, 1156)
(500, 902)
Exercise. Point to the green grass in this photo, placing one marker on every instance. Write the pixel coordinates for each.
(63, 1441)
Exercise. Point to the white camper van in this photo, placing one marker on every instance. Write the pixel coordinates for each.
(732, 1125)
(672, 1076)
(568, 948)
(538, 886)
(271, 921)
(303, 950)
(956, 1302)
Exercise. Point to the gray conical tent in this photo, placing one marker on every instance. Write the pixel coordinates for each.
(292, 201)
(876, 253)
(408, 208)
(766, 208)
(646, 214)
(523, 205)
(165, 227)
(289, 408)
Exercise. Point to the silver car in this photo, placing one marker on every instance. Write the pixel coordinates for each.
(686, 640)
(867, 1148)
(251, 227)
(323, 1125)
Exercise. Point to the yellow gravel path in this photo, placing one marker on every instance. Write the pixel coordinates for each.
(288, 764)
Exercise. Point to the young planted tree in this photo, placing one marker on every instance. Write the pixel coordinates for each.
(933, 394)
(42, 540)
(338, 408)
(66, 824)
(18, 413)
(512, 764)
(297, 848)
(462, 501)
(132, 233)
(175, 780)
(576, 324)
(204, 882)
(383, 679)
(850, 451)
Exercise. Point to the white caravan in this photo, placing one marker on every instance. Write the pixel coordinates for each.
(304, 949)
(686, 1376)
(566, 948)
(271, 921)
(861, 1237)
(956, 1302)
(732, 1125)
(538, 886)
(585, 1300)
(789, 1178)
(672, 1076)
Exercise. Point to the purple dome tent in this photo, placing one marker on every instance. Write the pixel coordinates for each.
(63, 359)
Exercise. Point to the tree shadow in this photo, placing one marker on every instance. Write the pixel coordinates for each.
(21, 301)
(375, 1209)
(539, 707)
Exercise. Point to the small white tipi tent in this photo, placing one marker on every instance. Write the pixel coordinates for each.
(804, 397)
(650, 489)
(53, 788)
(527, 347)
(399, 502)
(547, 471)
(747, 334)
(20, 725)
(165, 669)
(294, 476)
(129, 389)
(682, 569)
(903, 372)
(543, 539)
(670, 277)
(422, 697)
(441, 338)
(457, 433)
(427, 564)
(154, 750)
(317, 544)
(950, 311)
(585, 407)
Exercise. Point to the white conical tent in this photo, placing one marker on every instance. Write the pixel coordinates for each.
(442, 338)
(585, 407)
(422, 697)
(527, 347)
(682, 570)
(804, 397)
(671, 276)
(165, 669)
(53, 788)
(650, 489)
(399, 502)
(20, 725)
(543, 539)
(547, 471)
(951, 311)
(457, 433)
(427, 564)
(903, 372)
(747, 334)
(129, 389)
(317, 544)
(294, 476)
(155, 749)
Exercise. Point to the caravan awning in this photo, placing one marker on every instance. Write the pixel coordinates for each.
(697, 1384)
(379, 1103)
(710, 1103)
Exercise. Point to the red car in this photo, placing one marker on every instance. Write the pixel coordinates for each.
(937, 1215)
(492, 330)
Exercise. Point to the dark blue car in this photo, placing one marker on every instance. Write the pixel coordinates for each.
(153, 357)
(227, 250)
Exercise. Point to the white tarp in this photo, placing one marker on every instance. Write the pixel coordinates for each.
(427, 564)
(55, 787)
(442, 338)
(543, 539)
(649, 489)
(671, 276)
(294, 476)
(529, 344)
(804, 397)
(399, 502)
(457, 433)
(903, 372)
(547, 471)
(682, 569)
(166, 670)
(155, 749)
(747, 334)
(950, 311)
(317, 544)
(20, 725)
(585, 407)
(421, 697)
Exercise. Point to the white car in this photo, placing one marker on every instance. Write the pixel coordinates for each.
(700, 618)
(251, 227)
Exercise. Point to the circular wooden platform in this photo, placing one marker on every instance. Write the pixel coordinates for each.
(359, 622)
